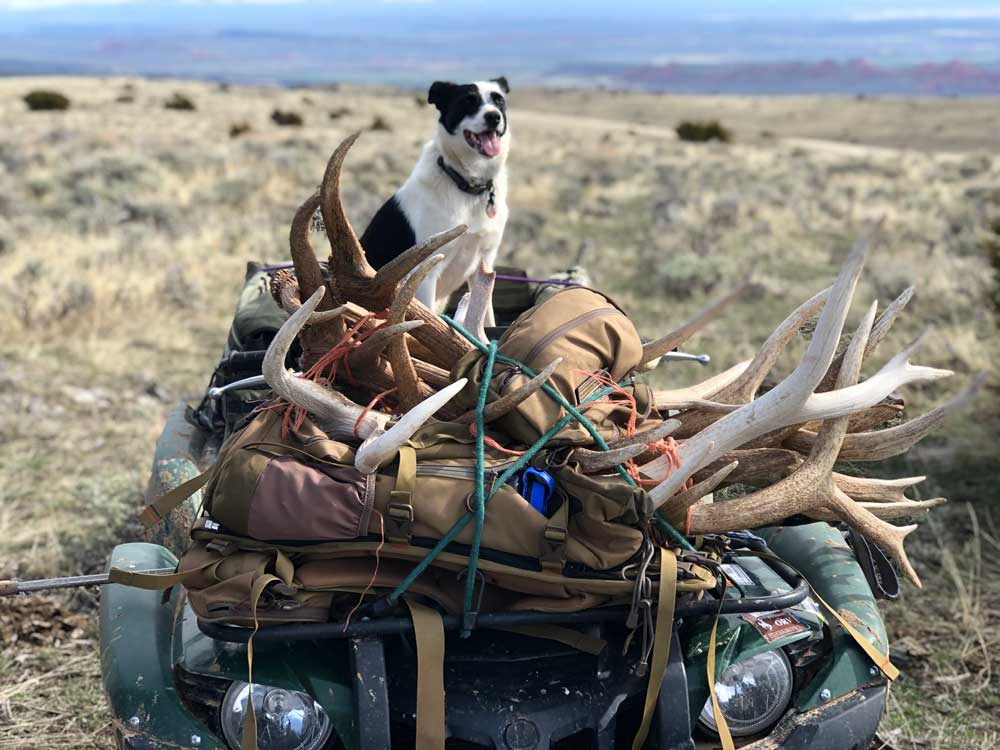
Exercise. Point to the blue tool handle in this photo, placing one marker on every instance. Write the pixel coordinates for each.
(537, 487)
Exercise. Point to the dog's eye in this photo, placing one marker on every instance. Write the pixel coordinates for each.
(497, 100)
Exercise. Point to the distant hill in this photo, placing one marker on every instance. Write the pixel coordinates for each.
(791, 77)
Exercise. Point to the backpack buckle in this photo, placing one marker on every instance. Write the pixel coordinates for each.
(401, 515)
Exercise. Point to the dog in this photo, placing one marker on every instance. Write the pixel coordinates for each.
(460, 178)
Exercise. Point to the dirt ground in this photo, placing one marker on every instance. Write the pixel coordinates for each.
(125, 228)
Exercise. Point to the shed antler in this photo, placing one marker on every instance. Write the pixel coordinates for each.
(793, 401)
(811, 486)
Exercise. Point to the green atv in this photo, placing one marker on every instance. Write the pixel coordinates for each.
(785, 677)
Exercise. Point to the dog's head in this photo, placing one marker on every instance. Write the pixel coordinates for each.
(473, 117)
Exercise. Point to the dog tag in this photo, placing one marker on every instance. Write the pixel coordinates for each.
(491, 204)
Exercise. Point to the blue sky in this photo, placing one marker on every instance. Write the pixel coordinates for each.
(307, 40)
(860, 9)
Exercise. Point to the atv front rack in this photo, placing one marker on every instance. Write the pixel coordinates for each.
(395, 625)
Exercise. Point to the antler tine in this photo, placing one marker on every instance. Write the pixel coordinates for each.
(591, 461)
(403, 370)
(879, 330)
(389, 275)
(307, 268)
(381, 447)
(758, 467)
(462, 309)
(897, 372)
(881, 444)
(700, 391)
(882, 511)
(369, 350)
(480, 306)
(337, 414)
(288, 300)
(506, 403)
(743, 389)
(676, 510)
(656, 349)
(710, 407)
(889, 408)
(347, 257)
(780, 405)
(875, 490)
(645, 437)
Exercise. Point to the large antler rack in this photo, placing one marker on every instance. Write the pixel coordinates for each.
(786, 441)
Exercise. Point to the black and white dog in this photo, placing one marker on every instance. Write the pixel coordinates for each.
(460, 178)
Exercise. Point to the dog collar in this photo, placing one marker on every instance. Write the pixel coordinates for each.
(472, 188)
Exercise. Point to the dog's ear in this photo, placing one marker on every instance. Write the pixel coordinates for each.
(502, 83)
(440, 94)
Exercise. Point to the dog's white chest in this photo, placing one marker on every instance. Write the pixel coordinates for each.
(433, 204)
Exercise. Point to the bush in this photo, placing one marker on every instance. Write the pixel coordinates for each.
(179, 101)
(290, 119)
(701, 131)
(991, 245)
(239, 128)
(42, 99)
(379, 123)
(336, 114)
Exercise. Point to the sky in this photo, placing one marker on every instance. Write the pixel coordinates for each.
(847, 9)
(388, 40)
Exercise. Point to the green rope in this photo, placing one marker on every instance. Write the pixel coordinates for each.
(477, 537)
(462, 522)
(674, 533)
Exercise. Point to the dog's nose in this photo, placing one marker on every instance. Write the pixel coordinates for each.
(492, 119)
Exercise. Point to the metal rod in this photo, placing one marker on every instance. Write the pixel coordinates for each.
(392, 625)
(702, 359)
(254, 381)
(12, 587)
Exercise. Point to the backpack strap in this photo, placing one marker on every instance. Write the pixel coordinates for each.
(588, 644)
(154, 581)
(162, 506)
(399, 518)
(554, 539)
(662, 634)
(428, 631)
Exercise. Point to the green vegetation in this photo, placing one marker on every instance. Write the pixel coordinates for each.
(239, 128)
(180, 102)
(380, 123)
(286, 118)
(702, 131)
(42, 99)
(991, 245)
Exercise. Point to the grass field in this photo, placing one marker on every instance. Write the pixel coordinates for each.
(125, 228)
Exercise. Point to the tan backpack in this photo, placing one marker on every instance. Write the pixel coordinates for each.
(598, 345)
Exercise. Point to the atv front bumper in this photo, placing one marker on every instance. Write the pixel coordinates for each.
(845, 723)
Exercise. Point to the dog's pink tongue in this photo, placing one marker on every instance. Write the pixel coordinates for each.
(489, 143)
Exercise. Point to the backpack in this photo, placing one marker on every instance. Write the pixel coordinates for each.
(598, 345)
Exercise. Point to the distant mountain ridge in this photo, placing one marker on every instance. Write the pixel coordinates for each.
(859, 76)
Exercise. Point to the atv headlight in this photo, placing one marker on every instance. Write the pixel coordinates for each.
(752, 693)
(286, 719)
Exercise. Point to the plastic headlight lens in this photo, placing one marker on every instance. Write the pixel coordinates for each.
(752, 693)
(286, 719)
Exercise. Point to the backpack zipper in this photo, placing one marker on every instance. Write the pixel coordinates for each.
(457, 472)
(566, 327)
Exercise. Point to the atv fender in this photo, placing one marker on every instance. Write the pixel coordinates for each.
(136, 634)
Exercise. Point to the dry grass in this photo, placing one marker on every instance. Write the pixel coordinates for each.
(125, 227)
